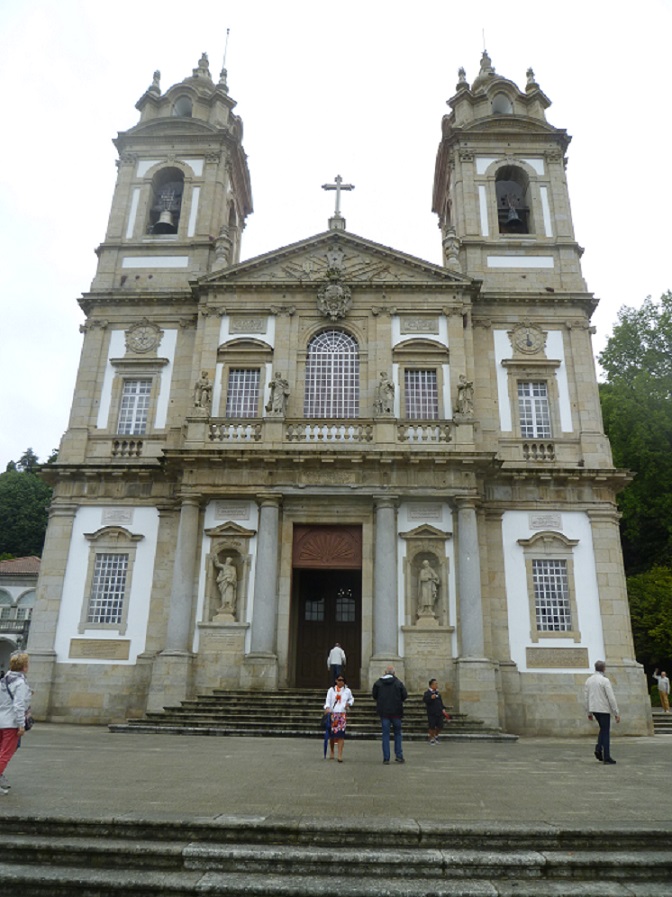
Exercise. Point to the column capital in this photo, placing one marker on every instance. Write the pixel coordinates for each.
(608, 514)
(385, 501)
(467, 502)
(190, 498)
(266, 499)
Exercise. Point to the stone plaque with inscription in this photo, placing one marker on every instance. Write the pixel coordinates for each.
(425, 512)
(548, 520)
(99, 649)
(557, 658)
(117, 515)
(255, 324)
(419, 325)
(228, 510)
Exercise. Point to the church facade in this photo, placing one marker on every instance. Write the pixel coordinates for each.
(336, 441)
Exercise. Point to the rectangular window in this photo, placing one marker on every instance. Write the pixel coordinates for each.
(533, 409)
(106, 603)
(422, 395)
(242, 398)
(135, 398)
(551, 595)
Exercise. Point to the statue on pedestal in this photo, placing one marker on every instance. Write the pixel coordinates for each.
(227, 583)
(279, 388)
(203, 393)
(384, 401)
(428, 590)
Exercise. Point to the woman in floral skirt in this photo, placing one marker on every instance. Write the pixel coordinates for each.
(338, 700)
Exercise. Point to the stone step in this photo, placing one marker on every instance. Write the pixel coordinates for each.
(289, 713)
(304, 858)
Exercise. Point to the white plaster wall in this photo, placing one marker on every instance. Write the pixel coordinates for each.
(575, 525)
(165, 350)
(117, 349)
(89, 520)
(502, 351)
(250, 520)
(225, 336)
(441, 335)
(555, 350)
(442, 519)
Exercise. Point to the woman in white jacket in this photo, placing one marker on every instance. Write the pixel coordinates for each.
(14, 703)
(338, 700)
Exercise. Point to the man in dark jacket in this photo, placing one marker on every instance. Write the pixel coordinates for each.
(389, 693)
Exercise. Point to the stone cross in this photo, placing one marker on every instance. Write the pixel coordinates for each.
(338, 185)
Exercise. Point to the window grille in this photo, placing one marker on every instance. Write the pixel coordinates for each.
(134, 407)
(345, 606)
(422, 395)
(314, 610)
(551, 595)
(242, 398)
(332, 376)
(534, 411)
(108, 589)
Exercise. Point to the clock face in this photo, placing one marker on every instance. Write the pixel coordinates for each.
(529, 338)
(142, 338)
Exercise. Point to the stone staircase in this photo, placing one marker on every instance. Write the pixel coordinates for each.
(255, 857)
(295, 713)
(662, 724)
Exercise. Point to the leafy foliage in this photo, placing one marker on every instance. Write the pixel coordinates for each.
(650, 597)
(637, 410)
(24, 508)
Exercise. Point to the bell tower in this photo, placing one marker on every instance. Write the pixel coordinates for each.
(500, 189)
(183, 188)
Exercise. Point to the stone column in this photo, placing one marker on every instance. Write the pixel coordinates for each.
(626, 675)
(477, 682)
(172, 668)
(48, 606)
(469, 581)
(184, 573)
(385, 595)
(260, 667)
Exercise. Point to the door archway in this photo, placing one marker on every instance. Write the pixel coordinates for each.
(327, 596)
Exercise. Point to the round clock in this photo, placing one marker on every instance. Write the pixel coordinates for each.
(529, 338)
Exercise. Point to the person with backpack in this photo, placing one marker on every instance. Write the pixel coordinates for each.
(15, 696)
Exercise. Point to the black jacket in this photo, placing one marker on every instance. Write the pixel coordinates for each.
(389, 693)
(434, 706)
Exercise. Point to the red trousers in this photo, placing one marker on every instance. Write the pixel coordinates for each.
(9, 739)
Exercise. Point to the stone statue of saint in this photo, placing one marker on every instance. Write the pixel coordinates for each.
(227, 582)
(465, 396)
(384, 400)
(203, 392)
(428, 589)
(277, 403)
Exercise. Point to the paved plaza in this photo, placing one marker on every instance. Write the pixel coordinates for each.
(88, 772)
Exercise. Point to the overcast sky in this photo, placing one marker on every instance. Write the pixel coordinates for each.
(350, 88)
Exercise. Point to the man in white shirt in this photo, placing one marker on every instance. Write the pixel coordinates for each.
(336, 661)
(663, 690)
(600, 703)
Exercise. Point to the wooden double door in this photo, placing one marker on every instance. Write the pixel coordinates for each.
(329, 610)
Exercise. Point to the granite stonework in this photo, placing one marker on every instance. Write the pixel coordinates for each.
(455, 428)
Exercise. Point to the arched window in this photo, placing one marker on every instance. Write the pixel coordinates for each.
(166, 204)
(182, 107)
(501, 104)
(513, 205)
(332, 376)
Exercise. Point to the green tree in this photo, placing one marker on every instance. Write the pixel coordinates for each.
(650, 598)
(24, 507)
(637, 408)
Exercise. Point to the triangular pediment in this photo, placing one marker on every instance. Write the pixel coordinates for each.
(230, 530)
(426, 531)
(358, 262)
